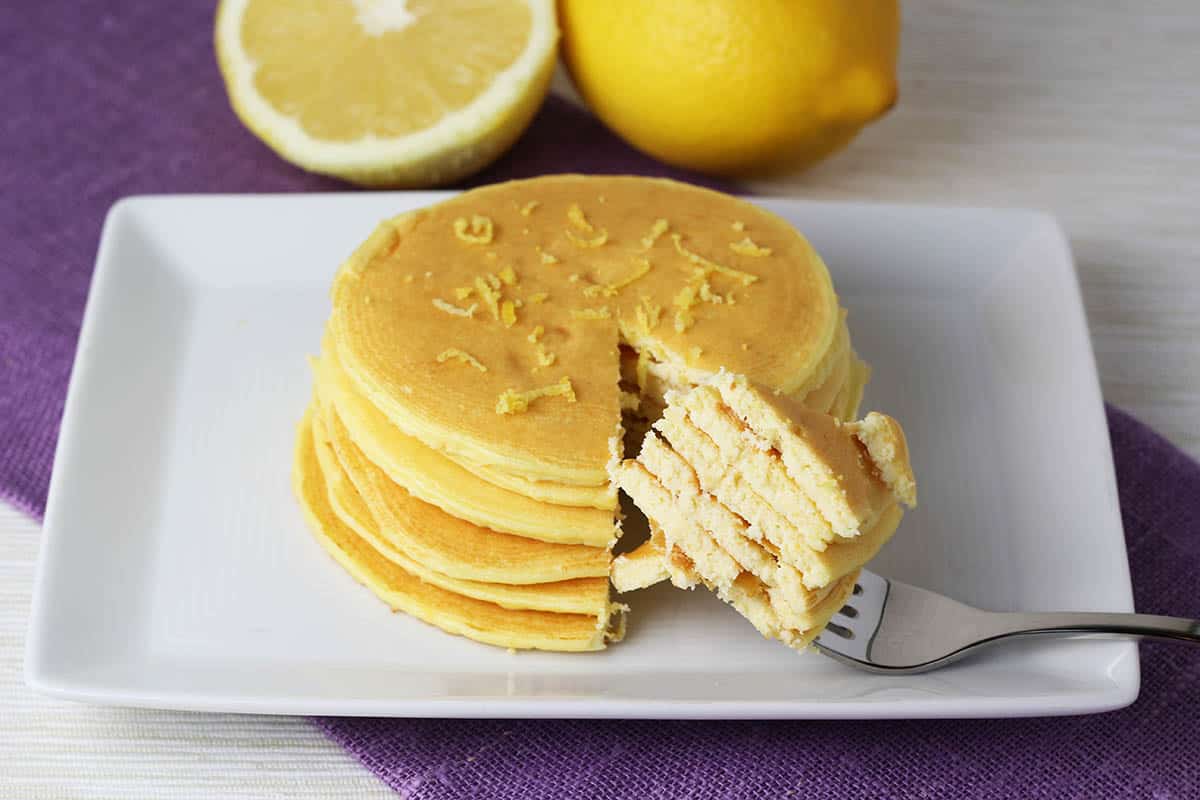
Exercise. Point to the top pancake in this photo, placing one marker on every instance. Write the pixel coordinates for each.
(727, 284)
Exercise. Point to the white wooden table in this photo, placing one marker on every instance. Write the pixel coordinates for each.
(1088, 110)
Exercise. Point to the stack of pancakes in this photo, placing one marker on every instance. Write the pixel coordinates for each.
(485, 358)
(772, 505)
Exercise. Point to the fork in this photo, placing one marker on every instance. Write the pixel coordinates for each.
(891, 627)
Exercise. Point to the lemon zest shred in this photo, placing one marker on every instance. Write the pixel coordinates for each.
(659, 227)
(709, 296)
(536, 333)
(544, 357)
(528, 208)
(577, 218)
(513, 402)
(489, 296)
(461, 356)
(478, 230)
(508, 276)
(598, 240)
(738, 225)
(538, 297)
(591, 313)
(463, 292)
(508, 313)
(747, 247)
(710, 266)
(454, 310)
(599, 290)
(610, 289)
(649, 314)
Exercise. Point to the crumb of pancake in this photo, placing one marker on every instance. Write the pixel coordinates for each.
(547, 258)
(450, 308)
(461, 356)
(477, 230)
(738, 226)
(643, 367)
(513, 402)
(747, 247)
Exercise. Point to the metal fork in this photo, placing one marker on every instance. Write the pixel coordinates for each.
(893, 628)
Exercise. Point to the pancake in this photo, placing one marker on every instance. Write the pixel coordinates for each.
(576, 596)
(845, 405)
(718, 283)
(450, 545)
(488, 358)
(561, 494)
(434, 478)
(772, 505)
(401, 590)
(643, 566)
(821, 454)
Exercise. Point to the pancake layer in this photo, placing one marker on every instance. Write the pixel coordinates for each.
(772, 505)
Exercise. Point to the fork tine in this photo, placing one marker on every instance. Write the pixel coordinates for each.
(849, 632)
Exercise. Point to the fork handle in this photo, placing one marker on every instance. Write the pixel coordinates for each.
(1179, 629)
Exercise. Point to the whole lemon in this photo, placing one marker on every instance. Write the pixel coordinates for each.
(734, 86)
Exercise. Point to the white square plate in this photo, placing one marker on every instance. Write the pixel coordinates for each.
(176, 570)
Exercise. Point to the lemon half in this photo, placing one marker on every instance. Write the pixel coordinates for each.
(387, 92)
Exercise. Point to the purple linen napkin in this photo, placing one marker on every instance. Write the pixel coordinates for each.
(108, 99)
